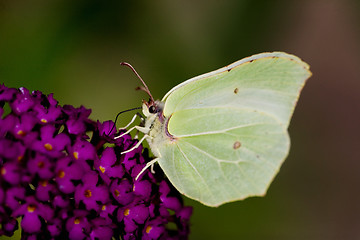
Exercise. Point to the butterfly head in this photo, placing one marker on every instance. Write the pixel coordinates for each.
(152, 107)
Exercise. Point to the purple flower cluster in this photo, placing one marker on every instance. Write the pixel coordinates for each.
(64, 177)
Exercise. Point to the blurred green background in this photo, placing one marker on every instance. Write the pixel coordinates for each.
(73, 49)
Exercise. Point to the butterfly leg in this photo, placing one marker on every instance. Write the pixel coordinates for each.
(152, 169)
(141, 129)
(137, 145)
(133, 119)
(128, 131)
(149, 164)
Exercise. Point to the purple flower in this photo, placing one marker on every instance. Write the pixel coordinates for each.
(122, 191)
(101, 233)
(90, 193)
(32, 212)
(107, 166)
(169, 202)
(7, 123)
(142, 188)
(48, 114)
(44, 190)
(50, 143)
(132, 216)
(6, 94)
(154, 229)
(105, 128)
(78, 117)
(67, 173)
(64, 176)
(13, 151)
(9, 226)
(78, 225)
(11, 172)
(13, 196)
(42, 166)
(23, 126)
(107, 211)
(82, 150)
(60, 201)
(101, 229)
(54, 227)
(23, 102)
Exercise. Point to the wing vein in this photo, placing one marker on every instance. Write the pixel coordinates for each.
(218, 161)
(187, 159)
(249, 179)
(219, 131)
(175, 171)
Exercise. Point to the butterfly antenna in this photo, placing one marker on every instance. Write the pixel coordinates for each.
(128, 110)
(145, 88)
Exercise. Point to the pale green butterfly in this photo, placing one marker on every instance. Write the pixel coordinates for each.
(222, 136)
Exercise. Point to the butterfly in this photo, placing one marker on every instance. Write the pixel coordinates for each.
(222, 136)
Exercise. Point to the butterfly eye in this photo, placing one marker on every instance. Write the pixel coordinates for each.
(152, 109)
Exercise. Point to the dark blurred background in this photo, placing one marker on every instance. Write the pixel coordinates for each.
(73, 49)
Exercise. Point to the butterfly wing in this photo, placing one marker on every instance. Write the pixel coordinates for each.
(267, 82)
(231, 127)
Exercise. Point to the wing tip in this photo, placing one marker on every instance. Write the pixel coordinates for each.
(252, 58)
(274, 54)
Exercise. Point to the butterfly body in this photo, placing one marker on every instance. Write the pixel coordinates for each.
(222, 136)
(156, 125)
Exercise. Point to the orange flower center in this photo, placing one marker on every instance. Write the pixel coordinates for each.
(117, 193)
(31, 208)
(48, 146)
(61, 174)
(21, 133)
(87, 193)
(41, 164)
(43, 183)
(148, 229)
(102, 169)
